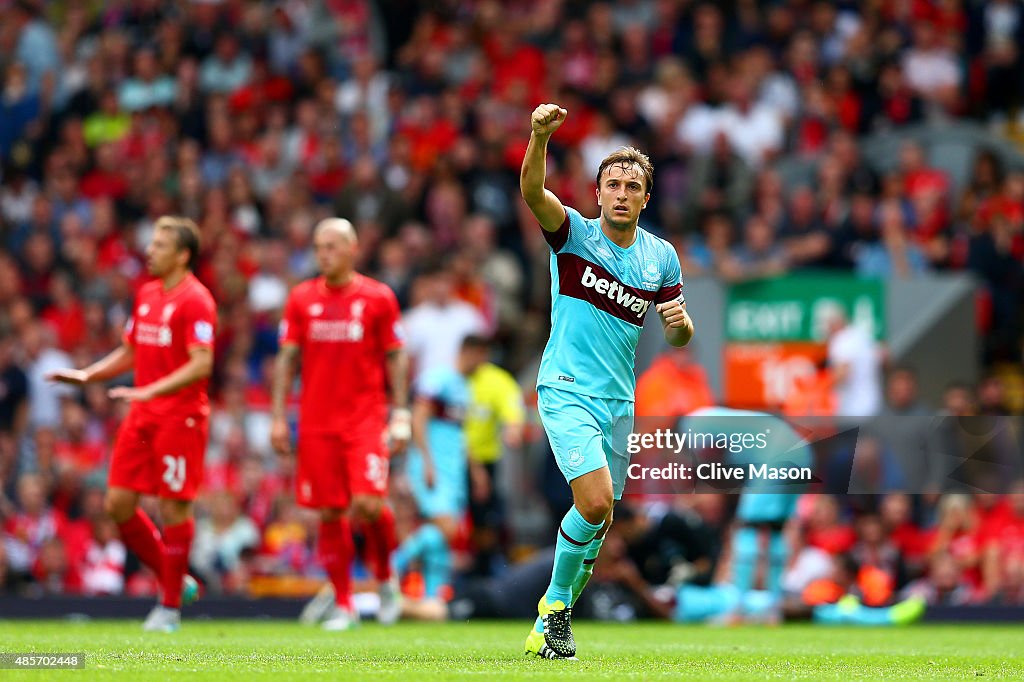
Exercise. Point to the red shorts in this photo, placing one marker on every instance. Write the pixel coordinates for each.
(160, 456)
(332, 467)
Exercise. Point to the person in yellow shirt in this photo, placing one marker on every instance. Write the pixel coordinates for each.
(494, 421)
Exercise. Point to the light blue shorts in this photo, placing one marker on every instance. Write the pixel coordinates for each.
(755, 507)
(449, 494)
(587, 433)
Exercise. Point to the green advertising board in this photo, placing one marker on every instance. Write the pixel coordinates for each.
(795, 307)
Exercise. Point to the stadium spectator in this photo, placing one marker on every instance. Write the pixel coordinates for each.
(13, 391)
(956, 534)
(894, 256)
(758, 256)
(905, 429)
(855, 362)
(102, 566)
(220, 540)
(36, 44)
(673, 386)
(437, 322)
(41, 358)
(943, 585)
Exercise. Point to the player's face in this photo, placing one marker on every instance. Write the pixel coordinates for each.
(163, 255)
(470, 358)
(621, 195)
(335, 254)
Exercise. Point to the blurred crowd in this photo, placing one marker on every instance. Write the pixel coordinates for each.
(410, 118)
(949, 550)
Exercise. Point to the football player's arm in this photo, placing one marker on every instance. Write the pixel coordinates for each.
(511, 413)
(839, 360)
(117, 362)
(422, 411)
(546, 207)
(284, 374)
(199, 366)
(676, 322)
(840, 372)
(400, 423)
(398, 376)
(671, 304)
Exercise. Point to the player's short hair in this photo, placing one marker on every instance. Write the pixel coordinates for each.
(902, 368)
(340, 225)
(435, 267)
(476, 341)
(626, 158)
(186, 232)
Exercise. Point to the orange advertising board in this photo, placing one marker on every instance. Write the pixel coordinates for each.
(763, 375)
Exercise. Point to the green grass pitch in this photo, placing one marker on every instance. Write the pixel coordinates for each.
(229, 650)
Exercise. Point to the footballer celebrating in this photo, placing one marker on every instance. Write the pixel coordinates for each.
(345, 328)
(605, 275)
(161, 444)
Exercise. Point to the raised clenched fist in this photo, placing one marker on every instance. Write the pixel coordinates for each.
(547, 118)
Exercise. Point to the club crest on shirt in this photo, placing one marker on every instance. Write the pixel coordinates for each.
(651, 275)
(356, 311)
(167, 312)
(651, 270)
(575, 457)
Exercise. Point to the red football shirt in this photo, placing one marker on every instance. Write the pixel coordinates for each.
(164, 326)
(345, 334)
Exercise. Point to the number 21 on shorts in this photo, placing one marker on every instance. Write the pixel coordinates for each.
(174, 472)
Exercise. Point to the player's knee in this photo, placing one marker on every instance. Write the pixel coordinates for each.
(331, 514)
(366, 508)
(745, 544)
(174, 512)
(447, 525)
(118, 506)
(595, 506)
(778, 548)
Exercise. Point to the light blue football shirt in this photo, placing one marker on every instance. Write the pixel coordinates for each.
(449, 392)
(600, 293)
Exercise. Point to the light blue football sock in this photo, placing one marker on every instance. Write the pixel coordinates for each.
(778, 555)
(428, 546)
(575, 534)
(587, 569)
(849, 611)
(437, 562)
(697, 603)
(744, 558)
(582, 578)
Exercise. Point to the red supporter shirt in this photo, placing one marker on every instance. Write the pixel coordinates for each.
(164, 326)
(345, 334)
(834, 540)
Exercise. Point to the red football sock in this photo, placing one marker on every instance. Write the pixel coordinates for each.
(178, 541)
(380, 543)
(141, 537)
(336, 549)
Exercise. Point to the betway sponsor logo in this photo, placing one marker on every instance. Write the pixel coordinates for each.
(615, 292)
